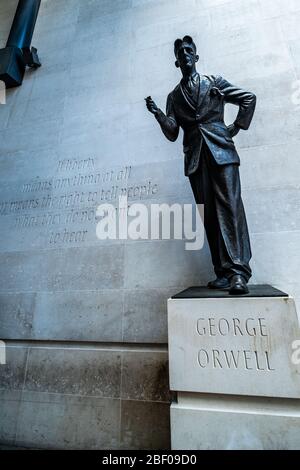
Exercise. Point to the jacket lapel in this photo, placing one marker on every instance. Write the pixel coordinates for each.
(205, 84)
(204, 89)
(186, 98)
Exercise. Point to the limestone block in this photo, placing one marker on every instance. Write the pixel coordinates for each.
(237, 346)
(234, 423)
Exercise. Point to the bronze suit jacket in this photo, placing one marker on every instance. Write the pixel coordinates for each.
(206, 120)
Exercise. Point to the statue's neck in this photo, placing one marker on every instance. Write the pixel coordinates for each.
(188, 74)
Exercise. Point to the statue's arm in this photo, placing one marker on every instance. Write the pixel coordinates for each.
(166, 121)
(244, 99)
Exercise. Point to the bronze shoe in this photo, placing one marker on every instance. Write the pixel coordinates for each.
(238, 286)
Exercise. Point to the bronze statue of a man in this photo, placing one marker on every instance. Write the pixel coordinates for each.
(211, 161)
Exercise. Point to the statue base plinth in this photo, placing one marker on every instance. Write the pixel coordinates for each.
(235, 365)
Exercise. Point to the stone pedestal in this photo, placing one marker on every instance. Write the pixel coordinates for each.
(235, 363)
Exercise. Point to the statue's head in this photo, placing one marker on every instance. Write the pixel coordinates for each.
(186, 54)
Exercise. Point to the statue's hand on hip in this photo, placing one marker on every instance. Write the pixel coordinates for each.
(151, 106)
(233, 129)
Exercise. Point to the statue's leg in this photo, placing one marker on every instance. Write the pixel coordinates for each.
(202, 186)
(234, 243)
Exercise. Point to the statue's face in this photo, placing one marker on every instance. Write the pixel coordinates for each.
(186, 57)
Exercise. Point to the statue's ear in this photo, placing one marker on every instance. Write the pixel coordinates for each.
(196, 58)
(177, 64)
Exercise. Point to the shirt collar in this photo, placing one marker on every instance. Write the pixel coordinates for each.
(192, 78)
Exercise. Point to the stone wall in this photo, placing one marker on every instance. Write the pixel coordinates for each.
(85, 320)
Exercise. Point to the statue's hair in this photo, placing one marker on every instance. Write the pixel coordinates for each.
(178, 43)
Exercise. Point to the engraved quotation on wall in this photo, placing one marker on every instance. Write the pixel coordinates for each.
(61, 210)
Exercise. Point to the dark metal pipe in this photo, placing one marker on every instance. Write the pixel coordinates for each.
(18, 54)
(22, 29)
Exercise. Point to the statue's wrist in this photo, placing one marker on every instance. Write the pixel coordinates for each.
(158, 114)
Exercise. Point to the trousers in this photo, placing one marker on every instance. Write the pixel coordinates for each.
(218, 187)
